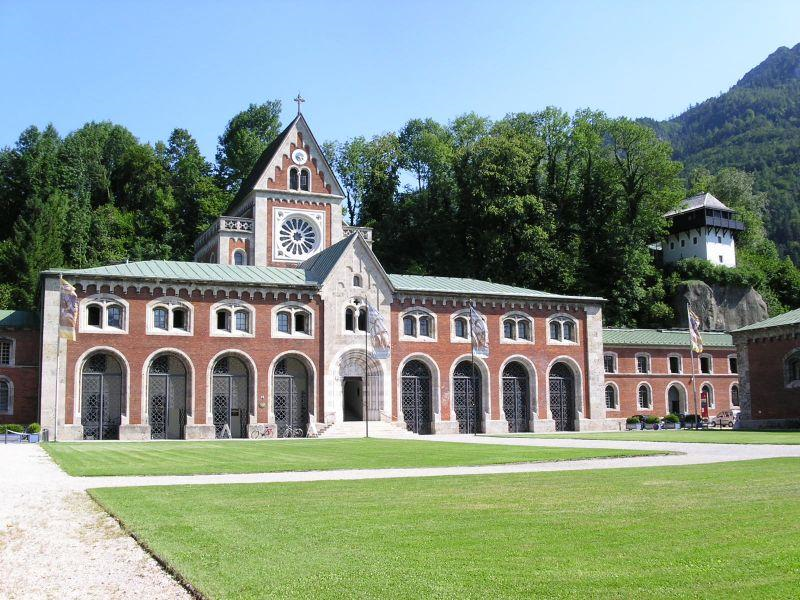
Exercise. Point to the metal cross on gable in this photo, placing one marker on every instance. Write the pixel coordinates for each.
(299, 101)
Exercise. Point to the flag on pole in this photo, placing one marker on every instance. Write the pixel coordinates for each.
(376, 326)
(480, 337)
(694, 331)
(68, 311)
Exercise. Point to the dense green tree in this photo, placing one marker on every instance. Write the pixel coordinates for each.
(245, 137)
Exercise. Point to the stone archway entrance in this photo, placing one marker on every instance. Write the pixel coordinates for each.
(229, 403)
(101, 397)
(166, 395)
(290, 397)
(515, 396)
(416, 397)
(562, 397)
(675, 400)
(467, 385)
(352, 367)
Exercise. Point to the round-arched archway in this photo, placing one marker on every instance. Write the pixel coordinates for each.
(416, 397)
(230, 390)
(562, 396)
(102, 383)
(467, 397)
(515, 396)
(167, 397)
(290, 391)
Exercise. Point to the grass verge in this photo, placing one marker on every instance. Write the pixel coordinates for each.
(676, 435)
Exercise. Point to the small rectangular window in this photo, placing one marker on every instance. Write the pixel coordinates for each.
(179, 319)
(114, 317)
(5, 352)
(304, 180)
(524, 330)
(608, 363)
(242, 320)
(555, 330)
(705, 364)
(642, 364)
(93, 313)
(222, 320)
(461, 328)
(508, 330)
(674, 364)
(300, 323)
(425, 327)
(733, 364)
(160, 318)
(408, 326)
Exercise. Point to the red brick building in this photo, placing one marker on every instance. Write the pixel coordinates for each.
(649, 372)
(19, 367)
(770, 372)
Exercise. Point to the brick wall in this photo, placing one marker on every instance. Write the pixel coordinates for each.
(769, 396)
(23, 375)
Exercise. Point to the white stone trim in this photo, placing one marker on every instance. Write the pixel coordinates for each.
(316, 218)
(252, 384)
(104, 300)
(465, 314)
(311, 383)
(416, 312)
(293, 307)
(436, 400)
(77, 400)
(680, 363)
(170, 303)
(517, 316)
(700, 358)
(649, 395)
(562, 316)
(577, 384)
(683, 395)
(649, 358)
(486, 387)
(617, 402)
(615, 358)
(734, 356)
(533, 385)
(190, 383)
(231, 305)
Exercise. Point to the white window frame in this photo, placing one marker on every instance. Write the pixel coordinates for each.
(517, 317)
(649, 363)
(649, 395)
(170, 304)
(614, 360)
(560, 318)
(104, 301)
(231, 306)
(281, 214)
(10, 383)
(465, 314)
(612, 385)
(710, 364)
(356, 308)
(788, 359)
(736, 358)
(239, 252)
(293, 308)
(12, 351)
(680, 363)
(416, 313)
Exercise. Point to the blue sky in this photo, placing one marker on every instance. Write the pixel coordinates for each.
(367, 67)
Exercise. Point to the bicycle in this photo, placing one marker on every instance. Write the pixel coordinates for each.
(261, 431)
(293, 432)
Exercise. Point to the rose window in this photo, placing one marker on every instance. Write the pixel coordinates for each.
(297, 237)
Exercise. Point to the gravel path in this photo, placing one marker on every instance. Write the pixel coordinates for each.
(56, 543)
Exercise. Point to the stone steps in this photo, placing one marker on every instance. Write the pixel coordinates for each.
(355, 429)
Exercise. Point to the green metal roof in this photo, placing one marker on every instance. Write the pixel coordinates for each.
(663, 337)
(789, 318)
(319, 266)
(168, 270)
(18, 319)
(454, 285)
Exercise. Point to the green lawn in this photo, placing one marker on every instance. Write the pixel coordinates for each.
(193, 458)
(725, 436)
(722, 531)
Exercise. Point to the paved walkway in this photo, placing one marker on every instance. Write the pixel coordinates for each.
(56, 543)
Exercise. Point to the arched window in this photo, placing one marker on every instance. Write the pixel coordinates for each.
(294, 179)
(232, 318)
(305, 180)
(6, 352)
(707, 392)
(6, 397)
(169, 315)
(349, 319)
(292, 320)
(362, 319)
(419, 324)
(239, 257)
(792, 369)
(645, 399)
(517, 328)
(103, 312)
(611, 397)
(563, 329)
(734, 395)
(460, 326)
(356, 280)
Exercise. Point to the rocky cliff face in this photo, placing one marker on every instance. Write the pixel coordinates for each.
(720, 308)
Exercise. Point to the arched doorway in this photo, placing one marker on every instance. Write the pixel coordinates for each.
(515, 396)
(229, 404)
(416, 397)
(351, 370)
(562, 397)
(290, 397)
(101, 397)
(675, 400)
(467, 397)
(735, 396)
(166, 394)
(707, 396)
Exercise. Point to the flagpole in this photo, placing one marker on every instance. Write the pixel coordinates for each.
(694, 380)
(472, 376)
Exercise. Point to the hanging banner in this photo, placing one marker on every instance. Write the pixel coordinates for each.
(480, 336)
(68, 311)
(694, 331)
(378, 333)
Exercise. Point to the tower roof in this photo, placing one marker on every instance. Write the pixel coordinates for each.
(704, 200)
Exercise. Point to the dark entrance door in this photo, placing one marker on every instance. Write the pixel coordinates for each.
(467, 397)
(515, 397)
(229, 403)
(101, 398)
(167, 396)
(674, 400)
(562, 397)
(417, 397)
(353, 399)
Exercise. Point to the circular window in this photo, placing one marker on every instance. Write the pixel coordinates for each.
(297, 237)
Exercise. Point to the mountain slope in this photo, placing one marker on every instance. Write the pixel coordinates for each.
(754, 126)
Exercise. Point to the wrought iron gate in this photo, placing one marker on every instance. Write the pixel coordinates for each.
(229, 399)
(467, 397)
(166, 391)
(416, 397)
(290, 406)
(515, 397)
(562, 399)
(101, 398)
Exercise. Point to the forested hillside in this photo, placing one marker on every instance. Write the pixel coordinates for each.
(545, 200)
(754, 126)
